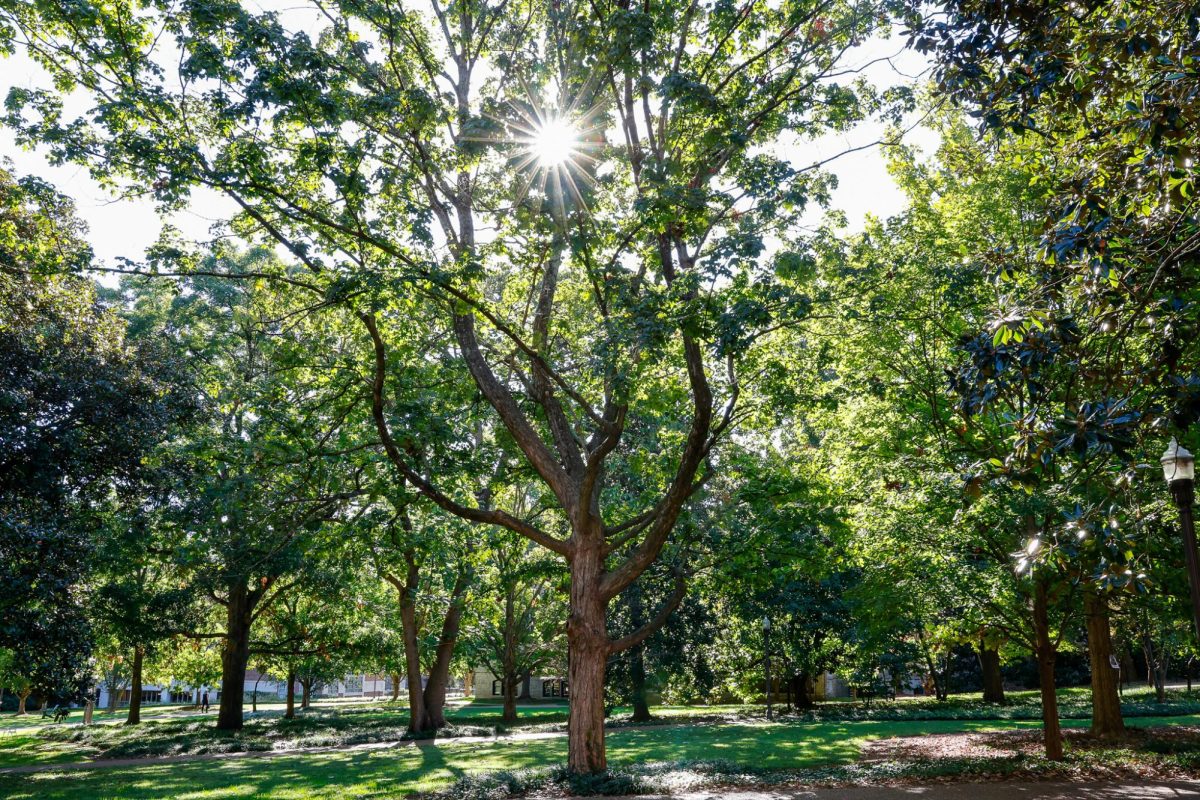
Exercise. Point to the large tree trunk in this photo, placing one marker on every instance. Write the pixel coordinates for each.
(291, 695)
(22, 696)
(993, 680)
(439, 673)
(1106, 702)
(112, 698)
(587, 638)
(235, 654)
(1046, 654)
(526, 685)
(135, 688)
(509, 715)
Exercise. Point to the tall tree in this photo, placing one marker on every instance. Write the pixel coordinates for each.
(460, 158)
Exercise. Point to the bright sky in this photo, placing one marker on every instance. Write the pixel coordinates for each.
(125, 228)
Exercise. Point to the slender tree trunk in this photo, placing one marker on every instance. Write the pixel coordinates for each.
(439, 673)
(993, 680)
(417, 718)
(587, 638)
(234, 656)
(637, 662)
(1164, 661)
(1106, 702)
(395, 686)
(637, 676)
(22, 696)
(291, 695)
(305, 693)
(112, 698)
(135, 688)
(508, 660)
(1046, 654)
(526, 685)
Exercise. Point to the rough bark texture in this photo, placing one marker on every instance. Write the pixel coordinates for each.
(22, 696)
(588, 640)
(291, 695)
(1046, 654)
(135, 688)
(993, 680)
(235, 654)
(1106, 702)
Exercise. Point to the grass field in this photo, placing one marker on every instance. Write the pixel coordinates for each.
(830, 735)
(399, 771)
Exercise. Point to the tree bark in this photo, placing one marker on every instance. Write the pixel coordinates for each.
(587, 638)
(291, 695)
(1046, 654)
(234, 656)
(1106, 702)
(305, 692)
(509, 690)
(993, 680)
(135, 688)
(439, 672)
(637, 676)
(802, 688)
(22, 696)
(1156, 667)
(508, 660)
(637, 662)
(417, 719)
(395, 686)
(526, 685)
(112, 699)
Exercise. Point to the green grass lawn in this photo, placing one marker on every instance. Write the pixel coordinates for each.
(404, 770)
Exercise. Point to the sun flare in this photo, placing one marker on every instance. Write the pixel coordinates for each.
(555, 142)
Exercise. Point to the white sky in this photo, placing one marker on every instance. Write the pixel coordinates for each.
(125, 228)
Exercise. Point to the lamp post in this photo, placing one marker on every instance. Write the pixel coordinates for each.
(1179, 468)
(767, 647)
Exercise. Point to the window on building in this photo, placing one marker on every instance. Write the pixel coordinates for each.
(497, 688)
(152, 695)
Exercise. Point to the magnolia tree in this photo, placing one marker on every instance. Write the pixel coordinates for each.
(586, 199)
